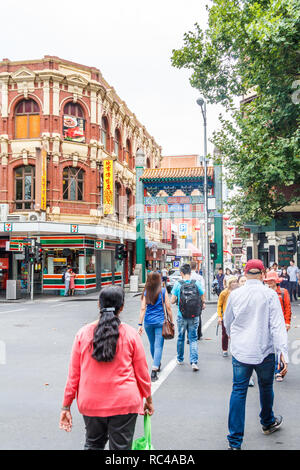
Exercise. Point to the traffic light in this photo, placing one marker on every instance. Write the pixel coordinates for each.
(31, 256)
(291, 244)
(26, 248)
(213, 250)
(38, 253)
(119, 251)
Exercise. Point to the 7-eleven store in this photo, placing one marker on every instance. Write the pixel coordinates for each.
(94, 268)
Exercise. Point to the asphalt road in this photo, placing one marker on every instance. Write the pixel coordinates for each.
(191, 408)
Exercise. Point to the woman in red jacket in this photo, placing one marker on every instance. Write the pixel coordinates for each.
(109, 376)
(273, 282)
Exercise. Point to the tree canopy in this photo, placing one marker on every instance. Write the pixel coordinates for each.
(252, 46)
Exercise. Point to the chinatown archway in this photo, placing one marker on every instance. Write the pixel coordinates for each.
(151, 205)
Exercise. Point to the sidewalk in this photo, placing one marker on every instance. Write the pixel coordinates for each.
(93, 296)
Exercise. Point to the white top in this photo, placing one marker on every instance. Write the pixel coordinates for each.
(67, 276)
(164, 272)
(197, 277)
(254, 321)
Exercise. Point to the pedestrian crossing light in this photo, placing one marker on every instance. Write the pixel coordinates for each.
(213, 251)
(119, 252)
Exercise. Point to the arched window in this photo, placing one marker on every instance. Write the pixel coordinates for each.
(27, 120)
(117, 146)
(117, 199)
(25, 187)
(148, 163)
(104, 132)
(73, 184)
(128, 154)
(129, 204)
(74, 123)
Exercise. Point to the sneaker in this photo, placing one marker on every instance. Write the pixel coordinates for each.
(225, 353)
(195, 367)
(154, 376)
(278, 378)
(273, 427)
(251, 382)
(233, 448)
(179, 362)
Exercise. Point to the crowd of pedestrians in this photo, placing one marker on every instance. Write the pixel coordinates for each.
(108, 372)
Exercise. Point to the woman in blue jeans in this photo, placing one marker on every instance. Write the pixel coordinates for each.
(152, 314)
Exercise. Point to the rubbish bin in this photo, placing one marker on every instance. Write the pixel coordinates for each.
(134, 283)
(13, 289)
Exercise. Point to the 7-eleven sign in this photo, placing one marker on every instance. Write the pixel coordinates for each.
(74, 228)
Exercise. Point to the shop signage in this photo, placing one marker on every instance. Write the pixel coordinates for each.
(74, 228)
(74, 128)
(4, 263)
(108, 187)
(176, 264)
(8, 227)
(99, 244)
(43, 179)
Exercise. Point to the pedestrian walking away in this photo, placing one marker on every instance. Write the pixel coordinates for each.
(190, 298)
(152, 315)
(232, 283)
(273, 281)
(108, 375)
(164, 276)
(253, 319)
(220, 278)
(294, 273)
(242, 280)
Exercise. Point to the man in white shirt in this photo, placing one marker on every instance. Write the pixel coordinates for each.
(67, 282)
(254, 321)
(293, 272)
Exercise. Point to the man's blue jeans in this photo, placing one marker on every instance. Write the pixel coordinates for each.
(241, 375)
(67, 286)
(191, 326)
(156, 340)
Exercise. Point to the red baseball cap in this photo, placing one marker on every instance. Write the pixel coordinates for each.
(254, 265)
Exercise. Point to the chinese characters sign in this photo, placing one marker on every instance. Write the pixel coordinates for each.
(43, 180)
(108, 187)
(74, 128)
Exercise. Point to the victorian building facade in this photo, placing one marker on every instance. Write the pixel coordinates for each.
(59, 121)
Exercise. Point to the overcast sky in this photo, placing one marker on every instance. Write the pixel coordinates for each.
(131, 43)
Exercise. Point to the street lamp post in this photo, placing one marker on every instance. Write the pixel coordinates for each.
(202, 104)
(140, 225)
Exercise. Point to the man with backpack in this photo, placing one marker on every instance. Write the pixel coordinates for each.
(189, 296)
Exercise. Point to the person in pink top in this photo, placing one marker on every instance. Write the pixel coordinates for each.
(109, 376)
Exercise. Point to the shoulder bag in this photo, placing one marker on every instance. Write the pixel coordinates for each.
(168, 329)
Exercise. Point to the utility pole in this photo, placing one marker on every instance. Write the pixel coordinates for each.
(202, 104)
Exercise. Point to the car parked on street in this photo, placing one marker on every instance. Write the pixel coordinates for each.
(172, 279)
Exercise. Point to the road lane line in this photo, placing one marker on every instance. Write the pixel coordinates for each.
(172, 364)
(12, 311)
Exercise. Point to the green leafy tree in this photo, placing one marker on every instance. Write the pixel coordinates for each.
(252, 46)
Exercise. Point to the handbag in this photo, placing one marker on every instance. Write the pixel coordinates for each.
(144, 443)
(168, 328)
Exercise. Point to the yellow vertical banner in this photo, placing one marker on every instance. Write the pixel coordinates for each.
(43, 179)
(108, 187)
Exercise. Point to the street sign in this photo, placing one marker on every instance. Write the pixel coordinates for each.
(176, 264)
(182, 229)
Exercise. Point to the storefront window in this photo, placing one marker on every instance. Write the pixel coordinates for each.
(90, 262)
(106, 266)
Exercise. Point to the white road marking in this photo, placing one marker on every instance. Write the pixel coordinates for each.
(172, 364)
(12, 311)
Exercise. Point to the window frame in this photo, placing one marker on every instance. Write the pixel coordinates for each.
(24, 201)
(73, 172)
(27, 114)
